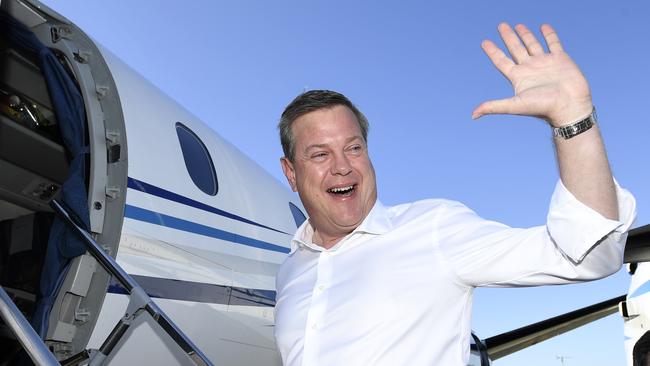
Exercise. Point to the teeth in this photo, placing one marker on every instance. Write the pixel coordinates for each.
(342, 189)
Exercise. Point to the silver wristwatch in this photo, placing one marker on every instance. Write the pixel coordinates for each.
(574, 129)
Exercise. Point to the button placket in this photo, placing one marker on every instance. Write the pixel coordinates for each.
(317, 308)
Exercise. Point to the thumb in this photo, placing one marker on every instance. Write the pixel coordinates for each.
(497, 106)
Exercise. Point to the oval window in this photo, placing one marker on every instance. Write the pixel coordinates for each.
(197, 160)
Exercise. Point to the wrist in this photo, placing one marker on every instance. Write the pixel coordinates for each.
(575, 128)
(572, 114)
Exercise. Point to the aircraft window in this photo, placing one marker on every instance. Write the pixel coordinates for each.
(197, 160)
(298, 216)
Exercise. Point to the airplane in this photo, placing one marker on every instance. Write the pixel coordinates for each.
(93, 229)
(204, 235)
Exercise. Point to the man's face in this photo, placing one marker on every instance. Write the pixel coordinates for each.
(331, 172)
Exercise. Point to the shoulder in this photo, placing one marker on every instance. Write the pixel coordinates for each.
(427, 209)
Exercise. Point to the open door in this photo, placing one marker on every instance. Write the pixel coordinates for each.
(61, 135)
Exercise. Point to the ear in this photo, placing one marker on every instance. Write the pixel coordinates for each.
(289, 172)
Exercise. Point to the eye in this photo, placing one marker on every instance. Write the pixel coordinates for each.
(319, 156)
(355, 149)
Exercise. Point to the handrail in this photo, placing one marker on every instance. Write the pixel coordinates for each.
(111, 266)
(32, 343)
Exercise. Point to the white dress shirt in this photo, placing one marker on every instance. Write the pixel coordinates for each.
(398, 289)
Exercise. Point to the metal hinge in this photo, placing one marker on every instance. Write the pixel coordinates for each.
(112, 192)
(81, 315)
(113, 147)
(101, 91)
(59, 32)
(82, 56)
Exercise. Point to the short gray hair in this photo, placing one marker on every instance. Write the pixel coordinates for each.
(311, 101)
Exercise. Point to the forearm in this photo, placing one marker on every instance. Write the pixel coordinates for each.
(584, 170)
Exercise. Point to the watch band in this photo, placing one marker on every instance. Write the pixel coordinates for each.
(574, 129)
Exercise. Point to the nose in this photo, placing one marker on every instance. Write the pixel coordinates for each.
(341, 165)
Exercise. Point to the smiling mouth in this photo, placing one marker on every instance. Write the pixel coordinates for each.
(343, 191)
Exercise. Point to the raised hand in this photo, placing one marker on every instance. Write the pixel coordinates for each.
(546, 85)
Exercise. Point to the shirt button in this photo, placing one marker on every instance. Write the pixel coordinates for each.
(314, 326)
(321, 287)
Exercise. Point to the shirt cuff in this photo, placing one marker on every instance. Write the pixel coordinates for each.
(576, 228)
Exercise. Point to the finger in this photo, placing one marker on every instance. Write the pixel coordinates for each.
(529, 39)
(512, 42)
(498, 58)
(552, 39)
(498, 106)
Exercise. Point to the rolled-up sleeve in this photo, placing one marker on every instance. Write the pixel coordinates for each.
(576, 244)
(577, 229)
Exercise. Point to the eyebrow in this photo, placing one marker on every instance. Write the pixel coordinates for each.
(320, 146)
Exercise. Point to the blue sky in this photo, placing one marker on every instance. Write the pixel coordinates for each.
(416, 69)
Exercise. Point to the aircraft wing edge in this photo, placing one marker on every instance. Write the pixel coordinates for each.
(509, 342)
(637, 248)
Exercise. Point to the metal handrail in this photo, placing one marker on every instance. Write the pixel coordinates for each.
(111, 266)
(22, 329)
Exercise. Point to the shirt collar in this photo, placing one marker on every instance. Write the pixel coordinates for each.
(377, 222)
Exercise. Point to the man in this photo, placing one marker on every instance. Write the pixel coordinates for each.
(366, 284)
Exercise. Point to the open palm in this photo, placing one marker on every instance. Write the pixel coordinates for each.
(546, 85)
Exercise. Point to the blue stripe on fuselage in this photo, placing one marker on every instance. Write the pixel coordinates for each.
(163, 193)
(157, 218)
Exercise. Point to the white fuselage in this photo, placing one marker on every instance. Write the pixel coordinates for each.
(209, 260)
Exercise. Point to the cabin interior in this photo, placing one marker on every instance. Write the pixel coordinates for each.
(33, 166)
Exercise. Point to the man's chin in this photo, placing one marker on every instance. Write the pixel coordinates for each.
(349, 224)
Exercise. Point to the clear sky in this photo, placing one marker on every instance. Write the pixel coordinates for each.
(416, 69)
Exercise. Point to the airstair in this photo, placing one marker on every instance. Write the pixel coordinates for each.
(141, 309)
